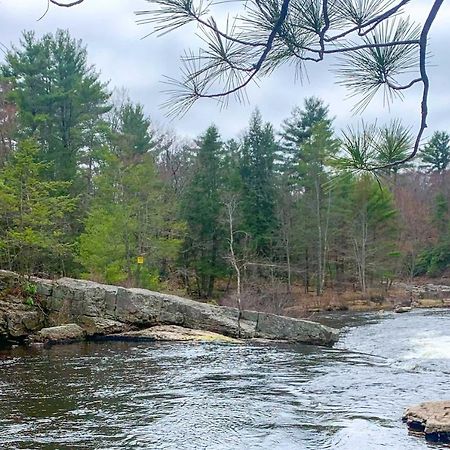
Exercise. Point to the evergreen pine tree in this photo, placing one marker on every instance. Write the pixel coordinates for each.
(33, 215)
(298, 128)
(258, 184)
(436, 153)
(202, 210)
(59, 98)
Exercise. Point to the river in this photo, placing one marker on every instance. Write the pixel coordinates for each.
(116, 395)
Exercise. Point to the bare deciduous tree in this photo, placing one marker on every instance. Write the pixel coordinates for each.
(8, 118)
(237, 265)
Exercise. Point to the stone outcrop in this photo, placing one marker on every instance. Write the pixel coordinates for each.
(102, 309)
(17, 318)
(430, 418)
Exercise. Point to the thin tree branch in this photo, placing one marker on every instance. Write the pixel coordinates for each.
(403, 87)
(374, 21)
(361, 47)
(46, 11)
(426, 85)
(262, 58)
(275, 26)
(325, 28)
(213, 27)
(66, 5)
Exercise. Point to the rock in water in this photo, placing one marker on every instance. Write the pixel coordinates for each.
(174, 333)
(71, 299)
(430, 418)
(70, 332)
(402, 309)
(100, 310)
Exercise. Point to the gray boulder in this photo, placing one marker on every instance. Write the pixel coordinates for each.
(102, 309)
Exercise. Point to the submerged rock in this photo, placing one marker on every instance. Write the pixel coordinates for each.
(402, 309)
(174, 333)
(430, 418)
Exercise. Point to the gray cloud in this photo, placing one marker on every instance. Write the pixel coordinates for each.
(115, 46)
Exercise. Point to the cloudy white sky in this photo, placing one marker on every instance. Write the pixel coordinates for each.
(115, 46)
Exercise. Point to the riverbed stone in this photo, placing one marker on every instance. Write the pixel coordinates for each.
(70, 332)
(402, 309)
(429, 303)
(174, 333)
(196, 315)
(18, 319)
(430, 418)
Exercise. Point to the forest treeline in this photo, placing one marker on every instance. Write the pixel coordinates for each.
(89, 188)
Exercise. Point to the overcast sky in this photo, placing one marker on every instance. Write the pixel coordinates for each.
(115, 46)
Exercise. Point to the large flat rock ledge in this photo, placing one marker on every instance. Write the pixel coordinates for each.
(430, 418)
(103, 309)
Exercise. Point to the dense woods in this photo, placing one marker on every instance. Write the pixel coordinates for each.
(89, 188)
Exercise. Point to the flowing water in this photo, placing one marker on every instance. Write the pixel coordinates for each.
(112, 395)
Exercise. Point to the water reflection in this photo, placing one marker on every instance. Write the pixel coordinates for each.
(205, 396)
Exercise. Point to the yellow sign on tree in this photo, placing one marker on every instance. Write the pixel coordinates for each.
(140, 260)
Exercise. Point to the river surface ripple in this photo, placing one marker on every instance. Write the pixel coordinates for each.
(113, 395)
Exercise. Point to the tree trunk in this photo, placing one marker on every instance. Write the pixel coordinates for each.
(319, 240)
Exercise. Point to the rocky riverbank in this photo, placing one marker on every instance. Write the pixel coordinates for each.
(102, 310)
(401, 297)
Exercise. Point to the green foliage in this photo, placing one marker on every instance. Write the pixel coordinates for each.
(102, 247)
(297, 128)
(436, 153)
(59, 97)
(379, 200)
(132, 214)
(30, 288)
(83, 191)
(33, 213)
(29, 301)
(393, 145)
(435, 260)
(258, 184)
(369, 69)
(441, 218)
(29, 292)
(202, 210)
(367, 148)
(131, 134)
